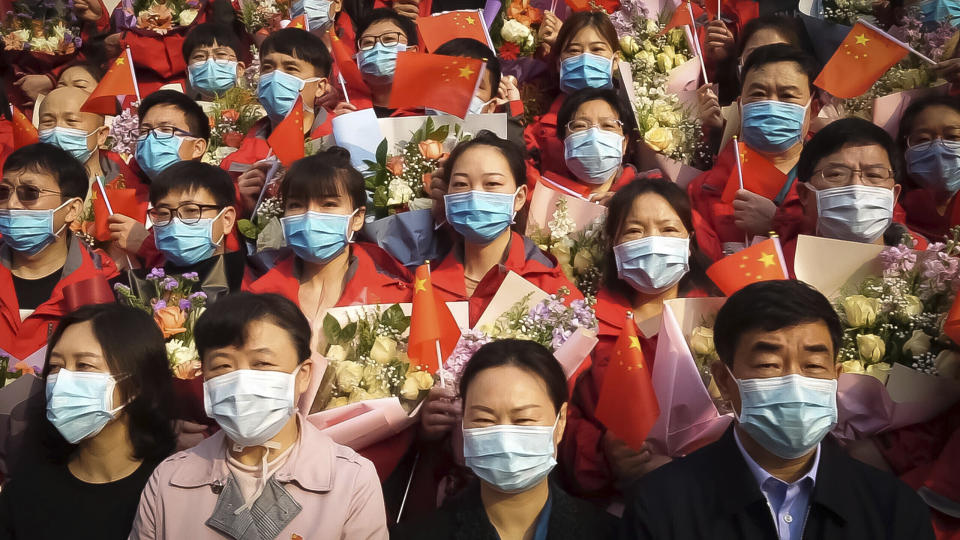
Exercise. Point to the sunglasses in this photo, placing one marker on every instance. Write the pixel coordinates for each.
(26, 193)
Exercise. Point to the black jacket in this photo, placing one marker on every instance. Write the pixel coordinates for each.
(464, 518)
(712, 494)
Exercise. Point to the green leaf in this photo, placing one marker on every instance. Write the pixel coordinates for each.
(348, 332)
(247, 229)
(394, 318)
(382, 152)
(331, 329)
(440, 134)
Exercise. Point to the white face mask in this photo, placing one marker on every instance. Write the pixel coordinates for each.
(251, 405)
(511, 458)
(854, 213)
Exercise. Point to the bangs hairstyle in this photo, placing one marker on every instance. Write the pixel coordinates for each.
(227, 322)
(134, 350)
(780, 52)
(573, 102)
(916, 107)
(513, 153)
(841, 133)
(45, 158)
(785, 27)
(197, 120)
(471, 48)
(529, 356)
(94, 70)
(301, 45)
(324, 175)
(407, 26)
(189, 176)
(618, 210)
(208, 34)
(583, 19)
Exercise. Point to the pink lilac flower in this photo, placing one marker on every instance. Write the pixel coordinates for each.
(898, 259)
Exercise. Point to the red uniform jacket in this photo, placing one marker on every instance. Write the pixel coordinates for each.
(923, 216)
(545, 148)
(27, 339)
(523, 257)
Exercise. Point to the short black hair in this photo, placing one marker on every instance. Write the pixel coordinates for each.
(55, 161)
(787, 27)
(471, 48)
(916, 107)
(579, 20)
(846, 132)
(770, 306)
(134, 350)
(578, 98)
(527, 355)
(197, 120)
(299, 44)
(780, 52)
(325, 174)
(205, 35)
(407, 26)
(512, 152)
(227, 322)
(193, 175)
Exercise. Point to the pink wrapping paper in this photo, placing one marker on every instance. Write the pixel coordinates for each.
(358, 425)
(677, 172)
(572, 353)
(888, 109)
(688, 417)
(544, 203)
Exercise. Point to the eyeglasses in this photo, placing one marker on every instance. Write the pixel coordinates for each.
(26, 193)
(606, 124)
(924, 140)
(220, 55)
(162, 132)
(388, 39)
(841, 175)
(187, 213)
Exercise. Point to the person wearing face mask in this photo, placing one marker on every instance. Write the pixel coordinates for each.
(107, 425)
(651, 256)
(929, 137)
(514, 413)
(586, 51)
(268, 467)
(41, 194)
(774, 474)
(775, 99)
(210, 50)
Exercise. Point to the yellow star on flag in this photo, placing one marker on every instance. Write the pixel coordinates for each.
(466, 72)
(119, 61)
(420, 285)
(862, 39)
(470, 20)
(635, 343)
(766, 259)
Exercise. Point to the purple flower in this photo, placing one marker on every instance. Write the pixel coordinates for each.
(156, 273)
(192, 276)
(159, 304)
(169, 284)
(198, 295)
(121, 288)
(898, 259)
(185, 305)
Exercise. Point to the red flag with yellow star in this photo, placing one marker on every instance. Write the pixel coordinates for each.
(627, 405)
(24, 132)
(862, 58)
(298, 22)
(760, 262)
(286, 139)
(679, 18)
(436, 30)
(759, 175)
(951, 327)
(444, 83)
(349, 71)
(118, 83)
(430, 323)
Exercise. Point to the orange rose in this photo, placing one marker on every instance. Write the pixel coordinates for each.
(431, 149)
(158, 18)
(524, 13)
(233, 139)
(395, 165)
(230, 115)
(187, 370)
(170, 320)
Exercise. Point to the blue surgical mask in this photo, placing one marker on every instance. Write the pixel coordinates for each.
(186, 245)
(935, 165)
(278, 92)
(154, 154)
(476, 107)
(318, 13)
(378, 64)
(788, 415)
(213, 76)
(585, 71)
(936, 11)
(854, 213)
(772, 126)
(653, 264)
(593, 155)
(80, 404)
(317, 237)
(29, 231)
(71, 140)
(251, 405)
(480, 216)
(509, 457)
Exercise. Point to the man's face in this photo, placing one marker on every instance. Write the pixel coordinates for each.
(196, 204)
(46, 195)
(171, 116)
(301, 69)
(61, 108)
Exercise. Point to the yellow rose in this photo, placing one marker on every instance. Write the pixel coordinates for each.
(701, 341)
(918, 344)
(561, 251)
(424, 379)
(629, 46)
(359, 394)
(860, 310)
(879, 371)
(948, 364)
(384, 350)
(852, 366)
(913, 305)
(337, 402)
(349, 375)
(664, 62)
(336, 353)
(871, 347)
(371, 376)
(410, 389)
(661, 139)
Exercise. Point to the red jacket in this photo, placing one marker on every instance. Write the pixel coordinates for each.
(565, 184)
(523, 257)
(924, 217)
(545, 148)
(27, 339)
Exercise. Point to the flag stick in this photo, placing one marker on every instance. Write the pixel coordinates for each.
(736, 153)
(696, 43)
(133, 73)
(897, 41)
(106, 202)
(443, 384)
(343, 85)
(553, 6)
(718, 9)
(406, 491)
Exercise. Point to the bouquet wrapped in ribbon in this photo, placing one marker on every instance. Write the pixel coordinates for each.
(156, 17)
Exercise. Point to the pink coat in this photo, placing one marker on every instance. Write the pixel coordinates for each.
(337, 489)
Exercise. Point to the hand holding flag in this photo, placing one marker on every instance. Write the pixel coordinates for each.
(753, 173)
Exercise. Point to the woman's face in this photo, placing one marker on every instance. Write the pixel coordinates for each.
(77, 77)
(79, 351)
(484, 168)
(936, 122)
(587, 40)
(340, 204)
(596, 113)
(511, 395)
(651, 215)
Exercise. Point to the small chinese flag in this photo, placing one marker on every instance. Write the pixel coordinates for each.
(347, 66)
(627, 405)
(24, 132)
(862, 58)
(759, 175)
(680, 18)
(759, 262)
(298, 22)
(951, 327)
(444, 83)
(122, 201)
(286, 140)
(430, 322)
(436, 30)
(118, 83)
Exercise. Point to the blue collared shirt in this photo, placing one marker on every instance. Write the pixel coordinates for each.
(788, 503)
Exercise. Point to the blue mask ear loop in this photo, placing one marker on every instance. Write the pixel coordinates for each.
(215, 218)
(514, 214)
(350, 233)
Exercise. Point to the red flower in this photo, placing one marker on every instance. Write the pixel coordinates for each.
(233, 139)
(509, 51)
(230, 115)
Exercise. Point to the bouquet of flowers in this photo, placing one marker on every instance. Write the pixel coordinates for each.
(48, 27)
(578, 250)
(124, 132)
(158, 17)
(175, 309)
(265, 15)
(231, 116)
(264, 226)
(515, 32)
(847, 11)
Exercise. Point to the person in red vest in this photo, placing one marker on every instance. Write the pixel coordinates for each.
(930, 139)
(651, 257)
(41, 193)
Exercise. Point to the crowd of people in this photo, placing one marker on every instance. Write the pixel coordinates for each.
(103, 436)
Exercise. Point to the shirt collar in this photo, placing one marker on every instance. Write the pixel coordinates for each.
(761, 474)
